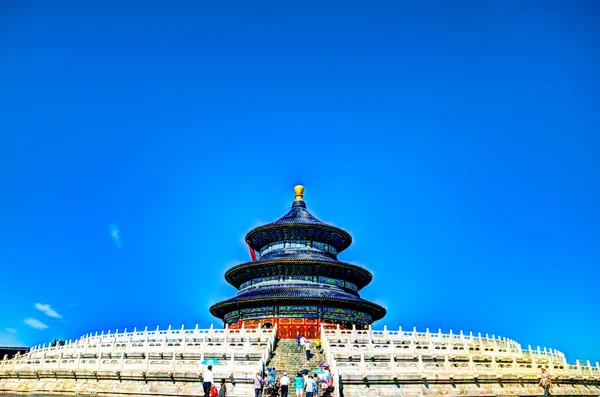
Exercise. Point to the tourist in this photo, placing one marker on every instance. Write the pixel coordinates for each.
(285, 382)
(275, 389)
(298, 338)
(323, 388)
(307, 349)
(265, 387)
(207, 379)
(318, 345)
(310, 386)
(258, 385)
(303, 341)
(545, 382)
(299, 384)
(223, 389)
(272, 377)
(328, 376)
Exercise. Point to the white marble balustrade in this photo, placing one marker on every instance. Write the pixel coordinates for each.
(416, 353)
(166, 350)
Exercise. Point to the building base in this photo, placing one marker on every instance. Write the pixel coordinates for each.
(290, 328)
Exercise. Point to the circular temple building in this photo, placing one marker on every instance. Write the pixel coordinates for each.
(297, 282)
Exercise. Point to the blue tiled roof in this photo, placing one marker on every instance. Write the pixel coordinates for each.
(303, 292)
(298, 224)
(298, 215)
(298, 265)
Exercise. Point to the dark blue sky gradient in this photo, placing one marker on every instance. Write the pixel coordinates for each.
(458, 144)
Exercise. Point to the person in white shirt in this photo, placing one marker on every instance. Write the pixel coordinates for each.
(309, 386)
(284, 381)
(208, 381)
(303, 341)
(307, 348)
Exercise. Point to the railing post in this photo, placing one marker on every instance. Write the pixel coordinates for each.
(363, 368)
(146, 359)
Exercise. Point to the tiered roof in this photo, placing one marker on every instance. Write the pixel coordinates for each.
(298, 244)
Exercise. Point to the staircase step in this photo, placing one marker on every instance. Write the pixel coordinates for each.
(288, 357)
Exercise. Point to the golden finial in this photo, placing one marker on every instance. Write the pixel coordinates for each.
(299, 190)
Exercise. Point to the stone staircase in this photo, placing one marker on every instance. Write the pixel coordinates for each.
(287, 357)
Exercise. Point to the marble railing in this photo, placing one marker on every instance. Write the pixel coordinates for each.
(164, 341)
(170, 350)
(401, 352)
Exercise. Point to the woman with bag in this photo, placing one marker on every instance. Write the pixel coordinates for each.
(258, 385)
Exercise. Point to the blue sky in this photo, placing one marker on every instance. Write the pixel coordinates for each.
(457, 144)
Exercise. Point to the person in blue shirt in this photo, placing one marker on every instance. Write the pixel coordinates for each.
(299, 385)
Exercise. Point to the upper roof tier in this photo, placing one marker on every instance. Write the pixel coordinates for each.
(298, 224)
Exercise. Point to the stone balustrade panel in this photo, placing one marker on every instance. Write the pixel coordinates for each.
(178, 351)
(400, 352)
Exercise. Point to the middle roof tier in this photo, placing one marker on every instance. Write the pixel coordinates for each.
(299, 265)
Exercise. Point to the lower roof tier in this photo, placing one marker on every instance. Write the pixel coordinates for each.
(296, 294)
(244, 272)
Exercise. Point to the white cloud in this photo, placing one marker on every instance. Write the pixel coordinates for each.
(35, 323)
(47, 310)
(10, 330)
(115, 234)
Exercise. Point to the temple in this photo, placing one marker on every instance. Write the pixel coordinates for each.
(296, 285)
(297, 282)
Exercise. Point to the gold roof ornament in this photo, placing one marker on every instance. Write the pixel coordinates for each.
(299, 190)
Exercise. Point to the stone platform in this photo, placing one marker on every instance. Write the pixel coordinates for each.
(90, 387)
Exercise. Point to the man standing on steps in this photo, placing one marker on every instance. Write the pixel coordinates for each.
(258, 385)
(207, 380)
(284, 381)
(310, 386)
(307, 349)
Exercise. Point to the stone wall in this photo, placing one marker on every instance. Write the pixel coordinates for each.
(494, 389)
(91, 387)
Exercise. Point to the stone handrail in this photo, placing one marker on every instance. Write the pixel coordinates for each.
(400, 352)
(239, 350)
